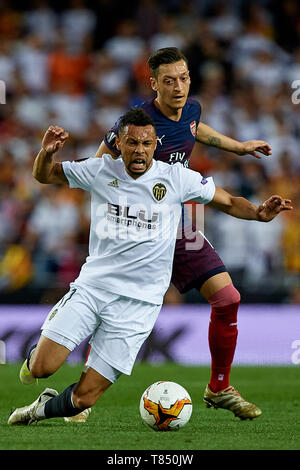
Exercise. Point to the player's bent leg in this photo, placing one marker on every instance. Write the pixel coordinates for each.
(47, 358)
(88, 390)
(75, 399)
(43, 360)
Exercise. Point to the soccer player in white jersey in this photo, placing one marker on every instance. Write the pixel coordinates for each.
(135, 211)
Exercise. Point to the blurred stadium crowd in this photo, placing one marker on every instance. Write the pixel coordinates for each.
(82, 64)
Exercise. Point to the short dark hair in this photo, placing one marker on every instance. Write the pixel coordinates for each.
(166, 55)
(136, 117)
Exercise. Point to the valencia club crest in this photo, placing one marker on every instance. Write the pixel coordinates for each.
(159, 191)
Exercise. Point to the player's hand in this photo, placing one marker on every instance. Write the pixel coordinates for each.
(255, 148)
(272, 207)
(54, 139)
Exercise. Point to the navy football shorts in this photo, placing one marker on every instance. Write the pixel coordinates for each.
(192, 267)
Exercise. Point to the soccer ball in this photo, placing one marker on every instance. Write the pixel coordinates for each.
(165, 406)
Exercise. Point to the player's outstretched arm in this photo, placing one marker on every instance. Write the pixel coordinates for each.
(45, 169)
(103, 149)
(243, 209)
(207, 135)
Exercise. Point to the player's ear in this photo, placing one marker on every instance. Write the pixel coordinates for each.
(117, 142)
(153, 84)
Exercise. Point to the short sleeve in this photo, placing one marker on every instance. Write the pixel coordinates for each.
(81, 174)
(195, 187)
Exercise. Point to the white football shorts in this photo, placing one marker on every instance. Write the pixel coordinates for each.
(119, 326)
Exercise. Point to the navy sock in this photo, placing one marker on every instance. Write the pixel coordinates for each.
(61, 405)
(29, 354)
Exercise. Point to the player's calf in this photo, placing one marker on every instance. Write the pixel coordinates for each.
(62, 405)
(89, 389)
(222, 336)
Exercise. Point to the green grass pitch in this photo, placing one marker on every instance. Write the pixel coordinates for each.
(115, 422)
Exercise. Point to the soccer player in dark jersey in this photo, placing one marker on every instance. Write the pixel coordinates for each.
(177, 119)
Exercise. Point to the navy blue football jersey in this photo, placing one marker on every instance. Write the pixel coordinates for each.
(176, 139)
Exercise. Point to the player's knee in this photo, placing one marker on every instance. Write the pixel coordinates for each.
(232, 295)
(226, 296)
(40, 370)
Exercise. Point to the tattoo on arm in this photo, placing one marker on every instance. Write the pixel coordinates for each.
(214, 141)
(210, 140)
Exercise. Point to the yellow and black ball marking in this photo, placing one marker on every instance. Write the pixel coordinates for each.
(163, 416)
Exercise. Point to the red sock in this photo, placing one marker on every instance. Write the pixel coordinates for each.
(222, 335)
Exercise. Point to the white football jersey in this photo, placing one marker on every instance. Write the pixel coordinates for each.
(134, 223)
